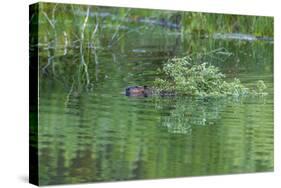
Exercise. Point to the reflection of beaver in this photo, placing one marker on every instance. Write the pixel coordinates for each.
(138, 91)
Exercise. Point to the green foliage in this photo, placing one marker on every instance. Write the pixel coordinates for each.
(206, 23)
(184, 76)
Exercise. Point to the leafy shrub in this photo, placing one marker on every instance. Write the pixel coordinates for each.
(184, 76)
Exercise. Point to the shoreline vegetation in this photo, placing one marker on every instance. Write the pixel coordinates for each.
(85, 31)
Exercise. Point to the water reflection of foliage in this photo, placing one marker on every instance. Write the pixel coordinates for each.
(187, 112)
(99, 137)
(182, 114)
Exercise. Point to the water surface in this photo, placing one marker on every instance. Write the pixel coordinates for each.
(101, 135)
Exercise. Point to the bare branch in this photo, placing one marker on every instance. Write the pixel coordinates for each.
(48, 19)
(81, 45)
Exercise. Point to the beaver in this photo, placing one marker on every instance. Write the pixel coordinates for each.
(145, 91)
(142, 91)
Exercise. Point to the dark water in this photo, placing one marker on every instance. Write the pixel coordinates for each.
(102, 135)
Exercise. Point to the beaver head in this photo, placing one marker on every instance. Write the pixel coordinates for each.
(137, 91)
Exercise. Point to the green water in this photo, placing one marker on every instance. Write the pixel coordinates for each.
(102, 135)
(96, 133)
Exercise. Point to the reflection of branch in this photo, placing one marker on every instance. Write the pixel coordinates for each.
(65, 43)
(188, 113)
(117, 28)
(53, 13)
(52, 24)
(97, 66)
(50, 60)
(32, 16)
(94, 32)
(81, 45)
(69, 93)
(212, 54)
(54, 38)
(49, 20)
(125, 34)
